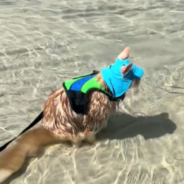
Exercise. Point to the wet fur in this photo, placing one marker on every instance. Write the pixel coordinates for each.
(69, 126)
(59, 124)
(27, 145)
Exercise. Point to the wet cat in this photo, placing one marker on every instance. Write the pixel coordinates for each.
(75, 112)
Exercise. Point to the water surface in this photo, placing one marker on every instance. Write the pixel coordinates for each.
(44, 43)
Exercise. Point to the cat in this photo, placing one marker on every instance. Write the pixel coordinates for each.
(73, 116)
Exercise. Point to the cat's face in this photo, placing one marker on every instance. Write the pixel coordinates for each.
(125, 69)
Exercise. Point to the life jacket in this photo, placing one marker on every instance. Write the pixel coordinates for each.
(78, 89)
(118, 83)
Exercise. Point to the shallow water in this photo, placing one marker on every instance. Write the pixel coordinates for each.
(45, 42)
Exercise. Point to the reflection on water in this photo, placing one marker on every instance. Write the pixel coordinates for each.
(44, 43)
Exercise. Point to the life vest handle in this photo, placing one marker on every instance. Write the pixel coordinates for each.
(93, 73)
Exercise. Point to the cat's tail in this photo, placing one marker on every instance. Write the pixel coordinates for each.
(27, 144)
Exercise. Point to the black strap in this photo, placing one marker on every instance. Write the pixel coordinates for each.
(38, 118)
(93, 73)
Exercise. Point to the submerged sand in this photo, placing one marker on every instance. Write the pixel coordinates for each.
(45, 42)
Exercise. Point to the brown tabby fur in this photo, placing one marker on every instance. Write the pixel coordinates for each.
(60, 123)
(69, 126)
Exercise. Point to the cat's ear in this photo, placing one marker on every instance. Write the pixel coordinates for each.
(124, 54)
(126, 69)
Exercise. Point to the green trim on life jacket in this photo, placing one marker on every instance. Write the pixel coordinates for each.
(69, 83)
(89, 84)
(92, 83)
(78, 89)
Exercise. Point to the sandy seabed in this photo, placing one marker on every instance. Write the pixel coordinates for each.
(43, 43)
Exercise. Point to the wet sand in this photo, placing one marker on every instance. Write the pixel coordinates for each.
(44, 43)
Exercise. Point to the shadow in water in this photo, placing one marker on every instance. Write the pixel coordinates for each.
(125, 126)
